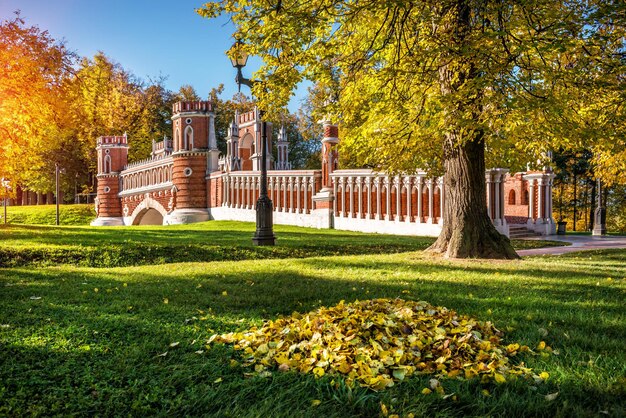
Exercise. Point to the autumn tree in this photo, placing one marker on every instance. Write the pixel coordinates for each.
(443, 85)
(33, 109)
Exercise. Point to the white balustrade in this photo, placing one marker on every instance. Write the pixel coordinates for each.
(290, 193)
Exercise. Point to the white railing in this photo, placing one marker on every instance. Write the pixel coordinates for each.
(148, 178)
(365, 194)
(290, 192)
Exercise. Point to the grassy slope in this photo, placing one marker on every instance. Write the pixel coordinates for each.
(22, 245)
(78, 350)
(46, 214)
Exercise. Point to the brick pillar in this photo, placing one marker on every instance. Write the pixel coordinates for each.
(330, 155)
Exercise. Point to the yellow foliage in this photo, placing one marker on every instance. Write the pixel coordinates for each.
(378, 343)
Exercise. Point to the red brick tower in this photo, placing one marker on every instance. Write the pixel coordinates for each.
(195, 155)
(112, 158)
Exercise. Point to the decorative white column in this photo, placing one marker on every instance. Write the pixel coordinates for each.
(335, 191)
(398, 184)
(387, 198)
(540, 197)
(351, 202)
(531, 201)
(420, 211)
(379, 215)
(489, 182)
(298, 187)
(292, 181)
(440, 222)
(359, 181)
(284, 200)
(368, 215)
(409, 195)
(431, 203)
(306, 195)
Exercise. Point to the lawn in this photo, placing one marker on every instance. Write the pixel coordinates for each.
(79, 340)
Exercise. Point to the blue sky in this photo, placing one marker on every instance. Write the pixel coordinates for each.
(147, 37)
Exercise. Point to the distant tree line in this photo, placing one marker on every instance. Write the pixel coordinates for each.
(55, 105)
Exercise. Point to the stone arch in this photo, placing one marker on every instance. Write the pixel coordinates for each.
(148, 212)
(188, 140)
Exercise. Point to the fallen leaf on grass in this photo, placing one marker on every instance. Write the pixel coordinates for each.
(315, 402)
(174, 344)
(35, 297)
(552, 396)
(162, 354)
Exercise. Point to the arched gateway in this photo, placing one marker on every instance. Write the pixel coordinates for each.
(148, 212)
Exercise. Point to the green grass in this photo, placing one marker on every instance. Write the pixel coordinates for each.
(22, 245)
(46, 214)
(90, 341)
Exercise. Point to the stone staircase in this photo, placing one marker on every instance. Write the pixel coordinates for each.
(520, 232)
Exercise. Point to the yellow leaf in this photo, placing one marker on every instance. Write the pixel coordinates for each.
(541, 345)
(499, 378)
(544, 375)
(485, 392)
(166, 301)
(315, 402)
(218, 380)
(426, 391)
(224, 293)
(318, 372)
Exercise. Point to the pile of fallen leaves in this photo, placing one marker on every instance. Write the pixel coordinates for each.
(379, 342)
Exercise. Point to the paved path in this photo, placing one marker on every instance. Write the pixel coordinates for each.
(578, 243)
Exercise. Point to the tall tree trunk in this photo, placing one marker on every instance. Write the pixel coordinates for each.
(467, 229)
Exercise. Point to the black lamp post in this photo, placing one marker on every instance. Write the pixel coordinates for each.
(264, 234)
(5, 184)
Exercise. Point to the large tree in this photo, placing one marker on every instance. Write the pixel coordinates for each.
(438, 84)
(33, 109)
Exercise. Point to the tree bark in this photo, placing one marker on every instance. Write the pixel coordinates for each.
(467, 229)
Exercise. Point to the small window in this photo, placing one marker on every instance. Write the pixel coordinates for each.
(512, 197)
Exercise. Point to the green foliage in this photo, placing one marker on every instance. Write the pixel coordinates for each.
(526, 76)
(132, 341)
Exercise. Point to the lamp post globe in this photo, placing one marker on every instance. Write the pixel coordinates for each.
(264, 234)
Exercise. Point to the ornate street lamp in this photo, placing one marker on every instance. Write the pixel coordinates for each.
(264, 234)
(6, 184)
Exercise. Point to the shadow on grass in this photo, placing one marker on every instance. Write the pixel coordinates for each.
(127, 327)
